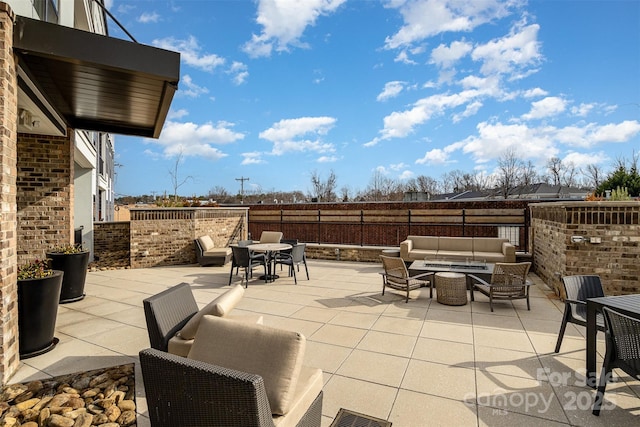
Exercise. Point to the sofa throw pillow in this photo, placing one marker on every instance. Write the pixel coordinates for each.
(274, 354)
(206, 242)
(220, 307)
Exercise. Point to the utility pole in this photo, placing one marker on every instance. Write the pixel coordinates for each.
(242, 180)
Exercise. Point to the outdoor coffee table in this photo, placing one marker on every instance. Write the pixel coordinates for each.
(483, 270)
(451, 288)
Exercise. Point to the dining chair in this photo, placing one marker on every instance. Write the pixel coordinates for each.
(396, 276)
(577, 290)
(242, 258)
(622, 337)
(293, 259)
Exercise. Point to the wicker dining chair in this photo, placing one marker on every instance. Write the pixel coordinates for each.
(623, 350)
(242, 257)
(293, 259)
(397, 277)
(576, 290)
(508, 281)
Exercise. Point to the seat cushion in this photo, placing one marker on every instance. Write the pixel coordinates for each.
(274, 354)
(218, 252)
(309, 386)
(220, 306)
(206, 242)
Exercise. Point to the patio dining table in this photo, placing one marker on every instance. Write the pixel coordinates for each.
(269, 249)
(625, 304)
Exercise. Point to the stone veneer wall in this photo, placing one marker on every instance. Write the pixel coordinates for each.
(111, 244)
(615, 259)
(9, 358)
(164, 236)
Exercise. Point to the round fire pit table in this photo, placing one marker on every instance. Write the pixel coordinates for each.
(451, 288)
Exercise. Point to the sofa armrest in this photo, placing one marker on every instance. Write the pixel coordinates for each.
(405, 247)
(509, 252)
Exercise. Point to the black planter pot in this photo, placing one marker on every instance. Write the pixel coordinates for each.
(37, 312)
(75, 273)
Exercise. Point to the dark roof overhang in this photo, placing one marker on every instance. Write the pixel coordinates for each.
(94, 82)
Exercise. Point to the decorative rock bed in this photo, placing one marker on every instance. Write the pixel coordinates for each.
(102, 397)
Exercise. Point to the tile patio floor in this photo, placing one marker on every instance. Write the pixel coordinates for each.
(416, 364)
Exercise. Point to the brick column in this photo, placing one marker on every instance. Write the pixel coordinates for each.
(9, 357)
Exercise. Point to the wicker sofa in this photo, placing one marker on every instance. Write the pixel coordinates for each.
(208, 254)
(489, 249)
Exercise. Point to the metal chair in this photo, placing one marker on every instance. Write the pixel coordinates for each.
(508, 281)
(623, 350)
(242, 258)
(293, 259)
(577, 289)
(396, 276)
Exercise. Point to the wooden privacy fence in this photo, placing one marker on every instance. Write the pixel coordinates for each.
(390, 226)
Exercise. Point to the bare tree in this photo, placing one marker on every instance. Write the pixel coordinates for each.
(324, 191)
(569, 174)
(428, 185)
(345, 193)
(509, 169)
(176, 182)
(529, 176)
(555, 167)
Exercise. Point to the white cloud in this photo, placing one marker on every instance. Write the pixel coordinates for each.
(189, 89)
(391, 90)
(512, 54)
(149, 17)
(239, 72)
(534, 93)
(190, 53)
(192, 139)
(284, 22)
(426, 18)
(583, 159)
(397, 166)
(252, 158)
(446, 56)
(406, 175)
(177, 114)
(403, 57)
(547, 107)
(288, 135)
(583, 109)
(470, 110)
(436, 156)
(327, 159)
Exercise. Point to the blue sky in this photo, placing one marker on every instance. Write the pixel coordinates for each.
(274, 90)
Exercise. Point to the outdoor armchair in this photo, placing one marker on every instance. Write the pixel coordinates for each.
(173, 316)
(207, 254)
(508, 281)
(396, 276)
(623, 350)
(577, 289)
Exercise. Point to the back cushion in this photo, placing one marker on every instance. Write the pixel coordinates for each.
(488, 244)
(456, 244)
(220, 306)
(270, 237)
(206, 242)
(424, 242)
(274, 354)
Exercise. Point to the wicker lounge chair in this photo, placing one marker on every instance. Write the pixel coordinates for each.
(577, 289)
(623, 350)
(214, 386)
(508, 281)
(396, 276)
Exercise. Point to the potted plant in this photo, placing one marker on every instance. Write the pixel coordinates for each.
(38, 295)
(73, 260)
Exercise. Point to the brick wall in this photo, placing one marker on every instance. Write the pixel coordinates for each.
(615, 259)
(45, 194)
(111, 244)
(9, 358)
(165, 236)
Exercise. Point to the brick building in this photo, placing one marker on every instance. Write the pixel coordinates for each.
(60, 74)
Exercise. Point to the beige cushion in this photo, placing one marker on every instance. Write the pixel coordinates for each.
(455, 244)
(309, 386)
(181, 347)
(220, 306)
(206, 242)
(274, 354)
(271, 237)
(425, 242)
(218, 252)
(488, 244)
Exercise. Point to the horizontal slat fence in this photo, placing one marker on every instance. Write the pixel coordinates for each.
(380, 224)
